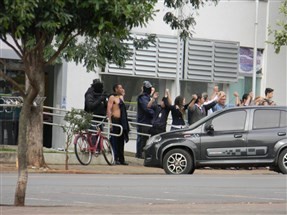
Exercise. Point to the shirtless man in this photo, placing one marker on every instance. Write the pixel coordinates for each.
(117, 114)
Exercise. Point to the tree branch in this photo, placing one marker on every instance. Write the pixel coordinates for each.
(65, 42)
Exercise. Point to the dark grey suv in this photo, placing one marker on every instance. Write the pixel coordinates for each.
(236, 137)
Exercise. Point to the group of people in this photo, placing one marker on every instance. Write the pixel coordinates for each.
(112, 106)
(152, 114)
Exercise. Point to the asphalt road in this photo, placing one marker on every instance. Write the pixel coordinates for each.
(147, 194)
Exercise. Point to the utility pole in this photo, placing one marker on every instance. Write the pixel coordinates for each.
(255, 48)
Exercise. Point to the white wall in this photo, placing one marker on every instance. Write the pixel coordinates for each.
(275, 65)
(232, 20)
(78, 81)
(157, 26)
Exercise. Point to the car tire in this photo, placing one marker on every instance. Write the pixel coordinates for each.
(178, 161)
(282, 161)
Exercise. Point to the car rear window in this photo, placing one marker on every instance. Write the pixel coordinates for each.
(266, 119)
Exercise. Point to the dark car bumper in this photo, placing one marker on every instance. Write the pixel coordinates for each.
(150, 158)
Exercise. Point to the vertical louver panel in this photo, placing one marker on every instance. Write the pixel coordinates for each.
(145, 61)
(226, 57)
(199, 60)
(129, 65)
(167, 58)
(158, 60)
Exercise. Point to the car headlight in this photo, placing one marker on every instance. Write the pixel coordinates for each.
(153, 139)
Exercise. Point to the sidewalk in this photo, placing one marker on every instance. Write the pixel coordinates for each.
(56, 164)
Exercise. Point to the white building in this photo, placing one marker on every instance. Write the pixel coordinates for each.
(228, 26)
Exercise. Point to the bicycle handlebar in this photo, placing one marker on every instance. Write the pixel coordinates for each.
(99, 123)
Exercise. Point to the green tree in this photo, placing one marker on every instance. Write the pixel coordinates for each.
(41, 31)
(280, 34)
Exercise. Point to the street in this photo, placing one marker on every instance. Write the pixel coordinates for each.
(147, 194)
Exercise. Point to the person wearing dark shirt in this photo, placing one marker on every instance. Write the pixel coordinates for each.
(268, 97)
(161, 112)
(96, 100)
(144, 116)
(178, 112)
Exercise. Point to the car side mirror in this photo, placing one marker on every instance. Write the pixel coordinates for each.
(209, 129)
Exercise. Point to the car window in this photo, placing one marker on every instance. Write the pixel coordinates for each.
(229, 121)
(266, 119)
(283, 119)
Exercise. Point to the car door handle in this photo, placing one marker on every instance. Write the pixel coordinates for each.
(281, 133)
(237, 135)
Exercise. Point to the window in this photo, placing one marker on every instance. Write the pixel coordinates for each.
(283, 119)
(231, 121)
(266, 119)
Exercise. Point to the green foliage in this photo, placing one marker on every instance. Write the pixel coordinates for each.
(78, 120)
(280, 35)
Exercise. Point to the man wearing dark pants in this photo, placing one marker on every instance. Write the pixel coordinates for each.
(144, 116)
(117, 114)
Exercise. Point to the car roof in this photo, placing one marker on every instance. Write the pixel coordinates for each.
(199, 122)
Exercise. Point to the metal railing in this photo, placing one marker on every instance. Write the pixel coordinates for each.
(59, 113)
(9, 104)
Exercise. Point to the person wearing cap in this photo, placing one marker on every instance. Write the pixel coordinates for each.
(268, 97)
(96, 100)
(144, 116)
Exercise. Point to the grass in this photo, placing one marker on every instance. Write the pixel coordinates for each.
(2, 149)
(7, 150)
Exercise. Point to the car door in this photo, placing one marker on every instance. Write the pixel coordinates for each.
(227, 140)
(268, 126)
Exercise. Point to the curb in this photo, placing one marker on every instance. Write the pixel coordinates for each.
(58, 158)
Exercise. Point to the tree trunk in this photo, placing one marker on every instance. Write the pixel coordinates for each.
(67, 160)
(35, 138)
(34, 70)
(35, 131)
(22, 156)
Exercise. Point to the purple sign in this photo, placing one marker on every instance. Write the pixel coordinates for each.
(246, 60)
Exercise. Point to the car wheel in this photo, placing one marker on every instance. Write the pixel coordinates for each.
(178, 161)
(282, 161)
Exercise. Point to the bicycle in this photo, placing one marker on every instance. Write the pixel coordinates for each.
(85, 148)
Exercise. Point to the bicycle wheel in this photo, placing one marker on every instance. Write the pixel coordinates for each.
(82, 150)
(107, 151)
